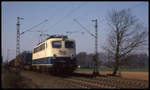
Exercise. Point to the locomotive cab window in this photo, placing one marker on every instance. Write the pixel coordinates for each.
(56, 44)
(69, 44)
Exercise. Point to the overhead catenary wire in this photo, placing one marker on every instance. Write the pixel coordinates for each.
(133, 7)
(72, 32)
(67, 15)
(33, 27)
(84, 28)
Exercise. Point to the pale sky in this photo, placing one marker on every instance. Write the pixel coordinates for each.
(60, 17)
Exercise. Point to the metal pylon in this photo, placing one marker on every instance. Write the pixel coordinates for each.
(96, 71)
(18, 41)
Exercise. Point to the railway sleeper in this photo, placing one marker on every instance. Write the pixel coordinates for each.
(98, 82)
(75, 85)
(91, 85)
(121, 83)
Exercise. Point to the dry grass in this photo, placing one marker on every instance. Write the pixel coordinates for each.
(10, 78)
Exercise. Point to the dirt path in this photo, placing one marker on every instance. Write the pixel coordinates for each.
(136, 75)
(130, 75)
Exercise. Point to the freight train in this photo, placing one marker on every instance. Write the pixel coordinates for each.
(25, 60)
(56, 54)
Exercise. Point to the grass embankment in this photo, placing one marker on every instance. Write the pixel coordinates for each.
(110, 70)
(10, 78)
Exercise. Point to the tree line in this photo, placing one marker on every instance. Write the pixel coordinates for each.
(133, 60)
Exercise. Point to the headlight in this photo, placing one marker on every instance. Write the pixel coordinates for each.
(54, 56)
(72, 57)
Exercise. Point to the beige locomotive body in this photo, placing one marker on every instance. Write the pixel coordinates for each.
(54, 52)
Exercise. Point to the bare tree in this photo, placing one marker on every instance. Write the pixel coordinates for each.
(126, 36)
(81, 59)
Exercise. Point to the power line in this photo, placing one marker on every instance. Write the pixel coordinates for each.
(84, 28)
(34, 27)
(73, 10)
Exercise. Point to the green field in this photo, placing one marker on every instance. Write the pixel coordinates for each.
(110, 70)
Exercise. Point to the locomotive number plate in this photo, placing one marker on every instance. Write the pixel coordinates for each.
(62, 52)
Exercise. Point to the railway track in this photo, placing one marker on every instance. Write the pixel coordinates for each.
(117, 82)
(78, 80)
(125, 83)
(89, 83)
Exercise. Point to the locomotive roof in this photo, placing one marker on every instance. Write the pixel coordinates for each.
(57, 36)
(54, 37)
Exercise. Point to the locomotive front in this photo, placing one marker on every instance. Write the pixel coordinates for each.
(63, 54)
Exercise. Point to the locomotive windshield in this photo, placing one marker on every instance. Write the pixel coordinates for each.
(69, 44)
(56, 44)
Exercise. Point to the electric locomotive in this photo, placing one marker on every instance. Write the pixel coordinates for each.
(56, 54)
